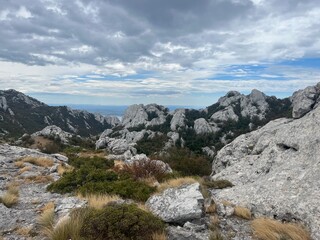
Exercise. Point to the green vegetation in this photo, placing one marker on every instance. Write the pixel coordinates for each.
(217, 184)
(187, 163)
(153, 145)
(164, 128)
(125, 222)
(94, 175)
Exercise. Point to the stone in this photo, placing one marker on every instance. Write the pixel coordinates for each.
(134, 116)
(178, 205)
(304, 100)
(201, 126)
(225, 115)
(54, 131)
(189, 231)
(178, 119)
(275, 170)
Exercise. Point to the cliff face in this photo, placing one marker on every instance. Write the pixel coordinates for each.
(20, 114)
(276, 169)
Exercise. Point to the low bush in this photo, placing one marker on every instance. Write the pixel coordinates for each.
(125, 222)
(143, 169)
(91, 176)
(186, 162)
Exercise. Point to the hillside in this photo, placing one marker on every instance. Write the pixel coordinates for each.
(21, 114)
(152, 129)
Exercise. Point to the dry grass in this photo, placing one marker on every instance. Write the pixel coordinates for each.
(46, 219)
(68, 228)
(242, 212)
(48, 207)
(159, 236)
(24, 169)
(176, 182)
(91, 154)
(143, 207)
(38, 161)
(24, 231)
(99, 201)
(269, 229)
(11, 196)
(19, 164)
(39, 179)
(62, 168)
(212, 208)
(144, 169)
(227, 203)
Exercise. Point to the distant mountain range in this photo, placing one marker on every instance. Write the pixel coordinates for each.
(21, 114)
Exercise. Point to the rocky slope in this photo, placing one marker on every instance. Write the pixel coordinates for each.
(21, 114)
(276, 169)
(31, 180)
(202, 131)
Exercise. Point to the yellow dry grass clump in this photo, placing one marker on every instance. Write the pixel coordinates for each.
(24, 169)
(38, 161)
(242, 212)
(269, 229)
(19, 164)
(62, 168)
(99, 201)
(46, 218)
(212, 208)
(159, 236)
(175, 182)
(24, 231)
(39, 179)
(11, 196)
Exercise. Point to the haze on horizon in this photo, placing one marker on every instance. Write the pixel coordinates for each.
(171, 52)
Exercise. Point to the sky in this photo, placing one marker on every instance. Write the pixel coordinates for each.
(170, 52)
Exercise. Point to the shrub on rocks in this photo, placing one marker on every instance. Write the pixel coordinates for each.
(126, 222)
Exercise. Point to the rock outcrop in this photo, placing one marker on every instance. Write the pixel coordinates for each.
(276, 169)
(178, 205)
(304, 100)
(33, 196)
(54, 131)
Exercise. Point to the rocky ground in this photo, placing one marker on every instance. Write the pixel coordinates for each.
(21, 219)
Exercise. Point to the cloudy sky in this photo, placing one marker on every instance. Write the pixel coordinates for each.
(172, 52)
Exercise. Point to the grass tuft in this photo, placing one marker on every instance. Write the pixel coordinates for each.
(46, 219)
(38, 161)
(99, 201)
(269, 229)
(242, 212)
(11, 196)
(175, 182)
(159, 236)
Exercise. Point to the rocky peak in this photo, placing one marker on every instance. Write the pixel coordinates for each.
(305, 100)
(134, 116)
(275, 170)
(257, 96)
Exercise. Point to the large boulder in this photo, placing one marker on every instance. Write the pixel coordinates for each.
(54, 131)
(201, 126)
(178, 205)
(275, 170)
(189, 231)
(304, 100)
(178, 119)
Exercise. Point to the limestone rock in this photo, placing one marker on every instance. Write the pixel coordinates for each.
(304, 100)
(178, 119)
(178, 205)
(225, 115)
(189, 231)
(54, 131)
(275, 170)
(134, 116)
(201, 126)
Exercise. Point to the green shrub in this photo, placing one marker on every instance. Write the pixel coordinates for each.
(96, 162)
(125, 188)
(187, 163)
(153, 145)
(89, 179)
(125, 222)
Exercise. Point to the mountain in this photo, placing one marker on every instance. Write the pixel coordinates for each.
(276, 169)
(21, 114)
(152, 128)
